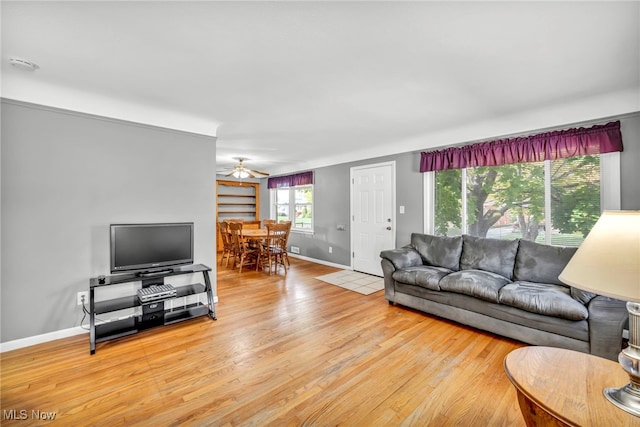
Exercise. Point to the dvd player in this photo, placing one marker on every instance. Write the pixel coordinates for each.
(156, 292)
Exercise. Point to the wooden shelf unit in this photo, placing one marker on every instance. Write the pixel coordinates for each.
(237, 199)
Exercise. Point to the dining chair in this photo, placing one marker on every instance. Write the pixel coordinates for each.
(274, 247)
(234, 220)
(243, 253)
(285, 254)
(227, 250)
(268, 221)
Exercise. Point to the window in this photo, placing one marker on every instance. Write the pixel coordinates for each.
(294, 204)
(282, 204)
(547, 188)
(448, 202)
(555, 201)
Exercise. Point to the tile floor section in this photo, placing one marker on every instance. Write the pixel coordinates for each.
(354, 281)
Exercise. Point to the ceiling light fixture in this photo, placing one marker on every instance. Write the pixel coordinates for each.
(23, 64)
(240, 174)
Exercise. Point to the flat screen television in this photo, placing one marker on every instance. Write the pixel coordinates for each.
(149, 248)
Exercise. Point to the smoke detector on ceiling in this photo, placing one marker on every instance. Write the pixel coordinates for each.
(23, 64)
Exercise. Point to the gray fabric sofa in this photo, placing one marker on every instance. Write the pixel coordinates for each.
(508, 287)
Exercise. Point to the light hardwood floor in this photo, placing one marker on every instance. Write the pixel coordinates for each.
(284, 351)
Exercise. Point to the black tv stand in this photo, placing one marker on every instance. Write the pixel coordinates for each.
(149, 314)
(154, 273)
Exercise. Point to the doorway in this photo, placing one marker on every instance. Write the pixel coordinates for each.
(372, 215)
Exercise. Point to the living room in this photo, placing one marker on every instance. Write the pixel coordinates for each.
(78, 158)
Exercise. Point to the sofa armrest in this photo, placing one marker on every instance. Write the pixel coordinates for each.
(389, 283)
(607, 319)
(394, 259)
(403, 257)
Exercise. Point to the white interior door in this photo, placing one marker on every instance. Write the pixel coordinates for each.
(372, 215)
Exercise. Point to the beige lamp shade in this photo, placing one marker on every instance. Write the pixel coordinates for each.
(608, 261)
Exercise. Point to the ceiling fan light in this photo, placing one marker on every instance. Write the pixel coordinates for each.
(240, 174)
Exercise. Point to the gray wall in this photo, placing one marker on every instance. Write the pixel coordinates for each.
(65, 177)
(332, 192)
(331, 207)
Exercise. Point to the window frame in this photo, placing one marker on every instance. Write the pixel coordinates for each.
(273, 213)
(609, 192)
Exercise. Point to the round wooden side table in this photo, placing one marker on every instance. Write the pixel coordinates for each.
(558, 387)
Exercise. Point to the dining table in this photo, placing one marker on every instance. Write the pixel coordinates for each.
(254, 233)
(254, 236)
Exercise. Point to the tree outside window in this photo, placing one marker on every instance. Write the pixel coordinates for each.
(448, 202)
(509, 201)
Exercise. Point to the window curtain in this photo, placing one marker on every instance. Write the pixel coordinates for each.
(303, 178)
(597, 139)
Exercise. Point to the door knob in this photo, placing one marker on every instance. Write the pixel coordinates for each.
(389, 228)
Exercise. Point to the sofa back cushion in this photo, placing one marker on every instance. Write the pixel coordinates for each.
(494, 255)
(437, 250)
(540, 263)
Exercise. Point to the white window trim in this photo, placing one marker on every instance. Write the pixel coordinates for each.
(609, 192)
(610, 198)
(429, 185)
(547, 200)
(464, 221)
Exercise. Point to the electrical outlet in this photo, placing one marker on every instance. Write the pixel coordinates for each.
(330, 250)
(82, 295)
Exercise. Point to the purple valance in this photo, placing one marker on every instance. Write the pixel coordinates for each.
(597, 139)
(303, 178)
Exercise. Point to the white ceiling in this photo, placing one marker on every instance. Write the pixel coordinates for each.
(296, 85)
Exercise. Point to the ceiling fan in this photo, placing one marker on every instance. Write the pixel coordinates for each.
(241, 171)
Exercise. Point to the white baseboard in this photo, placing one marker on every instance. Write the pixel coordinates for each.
(319, 261)
(39, 339)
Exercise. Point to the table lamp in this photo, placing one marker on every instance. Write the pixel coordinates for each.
(608, 263)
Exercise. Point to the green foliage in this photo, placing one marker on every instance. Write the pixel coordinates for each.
(518, 191)
(304, 195)
(448, 201)
(494, 191)
(575, 194)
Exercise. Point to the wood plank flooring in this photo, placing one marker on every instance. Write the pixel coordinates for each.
(287, 351)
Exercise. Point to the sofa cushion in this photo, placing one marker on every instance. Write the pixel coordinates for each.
(494, 255)
(437, 250)
(476, 283)
(548, 299)
(540, 263)
(584, 297)
(423, 276)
